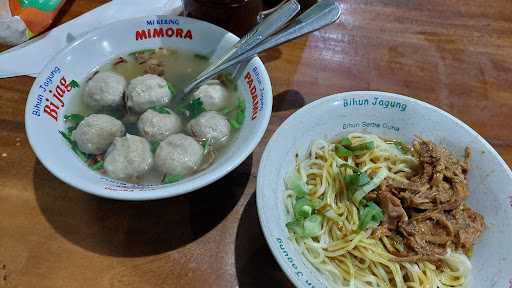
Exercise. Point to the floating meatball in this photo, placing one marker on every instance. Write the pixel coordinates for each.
(104, 90)
(128, 158)
(96, 132)
(210, 126)
(147, 91)
(213, 95)
(156, 126)
(179, 155)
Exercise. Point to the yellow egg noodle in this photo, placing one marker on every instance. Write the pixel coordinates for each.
(345, 255)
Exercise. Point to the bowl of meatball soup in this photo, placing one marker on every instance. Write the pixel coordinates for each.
(104, 116)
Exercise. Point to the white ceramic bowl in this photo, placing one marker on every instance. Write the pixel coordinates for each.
(96, 48)
(489, 179)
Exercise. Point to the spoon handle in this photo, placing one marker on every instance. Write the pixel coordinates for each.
(320, 15)
(262, 31)
(268, 26)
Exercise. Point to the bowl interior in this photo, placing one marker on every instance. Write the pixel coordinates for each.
(45, 110)
(396, 117)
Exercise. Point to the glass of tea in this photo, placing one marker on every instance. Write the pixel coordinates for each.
(236, 16)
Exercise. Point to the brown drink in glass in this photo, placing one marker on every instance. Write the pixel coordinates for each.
(236, 16)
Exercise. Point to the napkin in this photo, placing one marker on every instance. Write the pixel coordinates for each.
(30, 57)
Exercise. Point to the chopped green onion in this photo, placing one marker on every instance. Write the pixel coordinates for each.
(77, 118)
(240, 117)
(206, 145)
(331, 214)
(98, 166)
(237, 120)
(370, 216)
(316, 203)
(169, 179)
(363, 179)
(355, 181)
(227, 110)
(302, 208)
(161, 109)
(79, 153)
(345, 141)
(342, 151)
(312, 225)
(305, 211)
(295, 183)
(154, 146)
(351, 180)
(202, 57)
(74, 147)
(195, 107)
(234, 124)
(67, 137)
(348, 166)
(171, 88)
(227, 80)
(241, 104)
(297, 227)
(362, 148)
(72, 128)
(74, 84)
(372, 184)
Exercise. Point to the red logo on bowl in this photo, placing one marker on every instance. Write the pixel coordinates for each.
(55, 101)
(254, 96)
(144, 34)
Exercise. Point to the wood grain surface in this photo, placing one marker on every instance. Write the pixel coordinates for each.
(454, 54)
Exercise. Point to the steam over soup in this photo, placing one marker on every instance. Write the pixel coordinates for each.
(127, 124)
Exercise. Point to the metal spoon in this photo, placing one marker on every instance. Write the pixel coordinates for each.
(320, 15)
(268, 26)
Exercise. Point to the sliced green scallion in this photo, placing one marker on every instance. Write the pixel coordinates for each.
(341, 151)
(369, 186)
(170, 179)
(99, 165)
(345, 141)
(370, 216)
(161, 109)
(77, 118)
(295, 183)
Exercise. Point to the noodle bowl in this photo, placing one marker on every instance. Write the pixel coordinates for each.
(347, 256)
(339, 238)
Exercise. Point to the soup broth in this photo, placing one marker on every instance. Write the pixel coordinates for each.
(178, 69)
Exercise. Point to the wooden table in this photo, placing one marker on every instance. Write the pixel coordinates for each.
(454, 54)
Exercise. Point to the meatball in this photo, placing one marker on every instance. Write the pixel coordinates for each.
(213, 95)
(96, 132)
(104, 90)
(211, 126)
(147, 91)
(179, 155)
(128, 158)
(157, 126)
